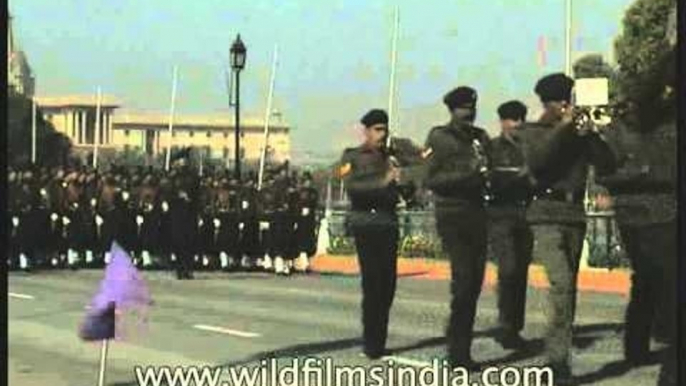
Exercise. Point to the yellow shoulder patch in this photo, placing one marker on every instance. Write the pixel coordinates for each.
(345, 169)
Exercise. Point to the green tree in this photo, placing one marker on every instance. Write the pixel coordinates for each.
(647, 58)
(52, 147)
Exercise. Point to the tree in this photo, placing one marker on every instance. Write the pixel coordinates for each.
(647, 58)
(52, 147)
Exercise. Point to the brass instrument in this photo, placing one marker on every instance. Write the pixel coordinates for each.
(482, 161)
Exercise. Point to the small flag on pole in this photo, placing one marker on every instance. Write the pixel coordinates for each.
(542, 47)
(122, 292)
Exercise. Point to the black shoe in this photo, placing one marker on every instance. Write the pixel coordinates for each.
(511, 341)
(468, 364)
(562, 375)
(376, 354)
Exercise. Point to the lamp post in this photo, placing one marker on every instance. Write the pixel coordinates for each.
(237, 58)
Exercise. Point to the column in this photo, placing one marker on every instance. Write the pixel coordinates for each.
(83, 127)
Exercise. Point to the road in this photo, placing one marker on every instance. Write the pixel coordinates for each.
(232, 319)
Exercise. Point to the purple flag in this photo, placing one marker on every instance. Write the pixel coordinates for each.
(122, 290)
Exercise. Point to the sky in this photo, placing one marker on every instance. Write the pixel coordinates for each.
(334, 56)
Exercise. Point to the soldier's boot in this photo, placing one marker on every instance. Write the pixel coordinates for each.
(108, 257)
(268, 263)
(196, 260)
(223, 260)
(147, 259)
(302, 263)
(73, 259)
(89, 258)
(245, 262)
(205, 262)
(23, 262)
(259, 263)
(279, 265)
(55, 261)
(287, 268)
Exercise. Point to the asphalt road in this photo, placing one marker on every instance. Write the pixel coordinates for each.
(239, 318)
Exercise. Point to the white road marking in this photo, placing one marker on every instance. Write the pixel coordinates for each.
(221, 330)
(406, 361)
(20, 296)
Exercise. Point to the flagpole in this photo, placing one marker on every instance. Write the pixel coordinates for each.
(103, 361)
(267, 115)
(33, 130)
(392, 85)
(568, 37)
(171, 119)
(98, 123)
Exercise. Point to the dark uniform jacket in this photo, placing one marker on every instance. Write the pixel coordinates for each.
(454, 169)
(364, 169)
(511, 183)
(644, 187)
(558, 158)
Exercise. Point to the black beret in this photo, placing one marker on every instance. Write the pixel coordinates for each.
(374, 117)
(555, 87)
(514, 110)
(462, 96)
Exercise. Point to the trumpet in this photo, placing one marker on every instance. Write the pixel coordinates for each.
(482, 162)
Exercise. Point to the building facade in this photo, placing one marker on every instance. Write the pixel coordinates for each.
(19, 75)
(147, 133)
(212, 135)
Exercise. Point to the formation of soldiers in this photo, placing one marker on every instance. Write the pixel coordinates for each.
(524, 193)
(69, 218)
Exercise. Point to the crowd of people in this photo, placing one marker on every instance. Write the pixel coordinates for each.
(68, 217)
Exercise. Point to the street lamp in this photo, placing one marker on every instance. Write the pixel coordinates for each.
(237, 58)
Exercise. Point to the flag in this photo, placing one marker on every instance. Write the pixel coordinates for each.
(542, 57)
(123, 294)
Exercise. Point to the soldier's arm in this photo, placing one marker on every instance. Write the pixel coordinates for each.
(603, 156)
(443, 175)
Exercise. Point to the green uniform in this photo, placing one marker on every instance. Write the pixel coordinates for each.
(644, 190)
(558, 158)
(456, 176)
(510, 237)
(374, 225)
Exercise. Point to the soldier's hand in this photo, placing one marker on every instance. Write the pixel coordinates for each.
(393, 174)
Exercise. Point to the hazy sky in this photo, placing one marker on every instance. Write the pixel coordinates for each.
(334, 55)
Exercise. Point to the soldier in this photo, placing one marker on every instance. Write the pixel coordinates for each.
(71, 224)
(510, 237)
(166, 195)
(306, 214)
(248, 226)
(645, 203)
(558, 154)
(184, 218)
(225, 236)
(370, 180)
(269, 237)
(456, 173)
(205, 223)
(108, 219)
(148, 218)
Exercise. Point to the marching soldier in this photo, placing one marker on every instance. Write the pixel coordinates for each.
(184, 218)
(645, 202)
(71, 224)
(166, 195)
(306, 213)
(558, 154)
(457, 174)
(510, 237)
(370, 180)
(269, 237)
